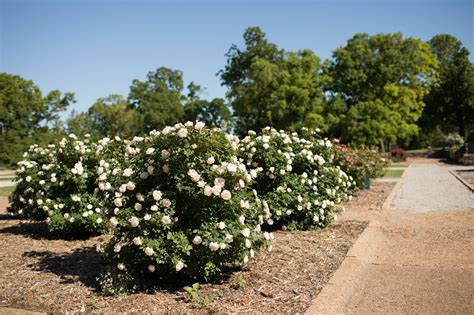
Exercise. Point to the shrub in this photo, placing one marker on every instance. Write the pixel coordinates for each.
(359, 163)
(398, 154)
(58, 184)
(296, 176)
(180, 205)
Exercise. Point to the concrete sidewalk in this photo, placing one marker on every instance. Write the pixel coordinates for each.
(406, 262)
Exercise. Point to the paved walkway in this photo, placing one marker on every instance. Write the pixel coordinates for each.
(6, 183)
(417, 261)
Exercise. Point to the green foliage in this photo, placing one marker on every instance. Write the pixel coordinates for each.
(382, 79)
(26, 115)
(158, 99)
(195, 296)
(107, 117)
(450, 104)
(296, 177)
(270, 87)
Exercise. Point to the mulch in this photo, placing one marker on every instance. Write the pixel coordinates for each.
(59, 276)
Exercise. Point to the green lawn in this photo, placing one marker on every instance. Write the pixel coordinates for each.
(418, 151)
(393, 173)
(6, 191)
(398, 164)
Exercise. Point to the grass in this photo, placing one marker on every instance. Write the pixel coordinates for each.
(6, 191)
(418, 151)
(398, 164)
(393, 173)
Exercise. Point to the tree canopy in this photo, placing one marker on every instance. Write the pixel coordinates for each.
(450, 104)
(271, 87)
(388, 74)
(26, 116)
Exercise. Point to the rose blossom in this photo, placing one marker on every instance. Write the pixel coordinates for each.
(138, 206)
(208, 191)
(166, 219)
(134, 221)
(157, 195)
(149, 251)
(246, 232)
(127, 172)
(179, 266)
(216, 190)
(209, 161)
(120, 266)
(182, 133)
(226, 195)
(165, 154)
(197, 240)
(199, 125)
(219, 181)
(137, 241)
(118, 202)
(221, 225)
(151, 268)
(213, 246)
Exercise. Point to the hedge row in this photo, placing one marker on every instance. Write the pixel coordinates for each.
(187, 200)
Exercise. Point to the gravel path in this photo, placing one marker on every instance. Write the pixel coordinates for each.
(428, 187)
(6, 183)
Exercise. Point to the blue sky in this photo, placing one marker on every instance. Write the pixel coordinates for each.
(96, 48)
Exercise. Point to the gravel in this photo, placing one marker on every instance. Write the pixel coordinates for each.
(428, 187)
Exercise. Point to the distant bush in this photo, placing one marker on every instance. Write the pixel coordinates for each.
(398, 154)
(296, 176)
(180, 204)
(360, 163)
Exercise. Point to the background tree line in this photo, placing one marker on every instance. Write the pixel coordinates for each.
(375, 90)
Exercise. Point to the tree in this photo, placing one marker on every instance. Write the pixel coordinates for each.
(271, 87)
(158, 100)
(110, 116)
(450, 104)
(26, 116)
(213, 113)
(383, 70)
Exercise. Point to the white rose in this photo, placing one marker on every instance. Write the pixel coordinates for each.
(165, 154)
(154, 208)
(199, 125)
(134, 221)
(197, 240)
(232, 168)
(138, 206)
(219, 181)
(120, 266)
(118, 202)
(127, 172)
(209, 161)
(226, 195)
(248, 244)
(182, 133)
(147, 217)
(245, 232)
(216, 190)
(208, 191)
(149, 251)
(151, 268)
(221, 225)
(130, 186)
(150, 150)
(166, 219)
(213, 246)
(179, 266)
(113, 221)
(157, 195)
(137, 241)
(242, 219)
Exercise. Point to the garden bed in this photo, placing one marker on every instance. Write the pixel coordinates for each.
(60, 276)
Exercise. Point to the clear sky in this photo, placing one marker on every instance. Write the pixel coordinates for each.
(96, 48)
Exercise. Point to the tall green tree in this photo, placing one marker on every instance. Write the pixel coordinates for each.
(384, 78)
(159, 98)
(214, 113)
(110, 116)
(450, 104)
(271, 87)
(26, 116)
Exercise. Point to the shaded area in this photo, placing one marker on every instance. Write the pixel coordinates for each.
(35, 230)
(82, 264)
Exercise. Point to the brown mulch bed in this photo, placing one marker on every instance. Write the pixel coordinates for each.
(60, 276)
(467, 175)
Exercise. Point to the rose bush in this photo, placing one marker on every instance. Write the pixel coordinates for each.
(180, 204)
(360, 163)
(296, 176)
(58, 183)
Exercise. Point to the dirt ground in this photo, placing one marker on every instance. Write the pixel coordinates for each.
(60, 276)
